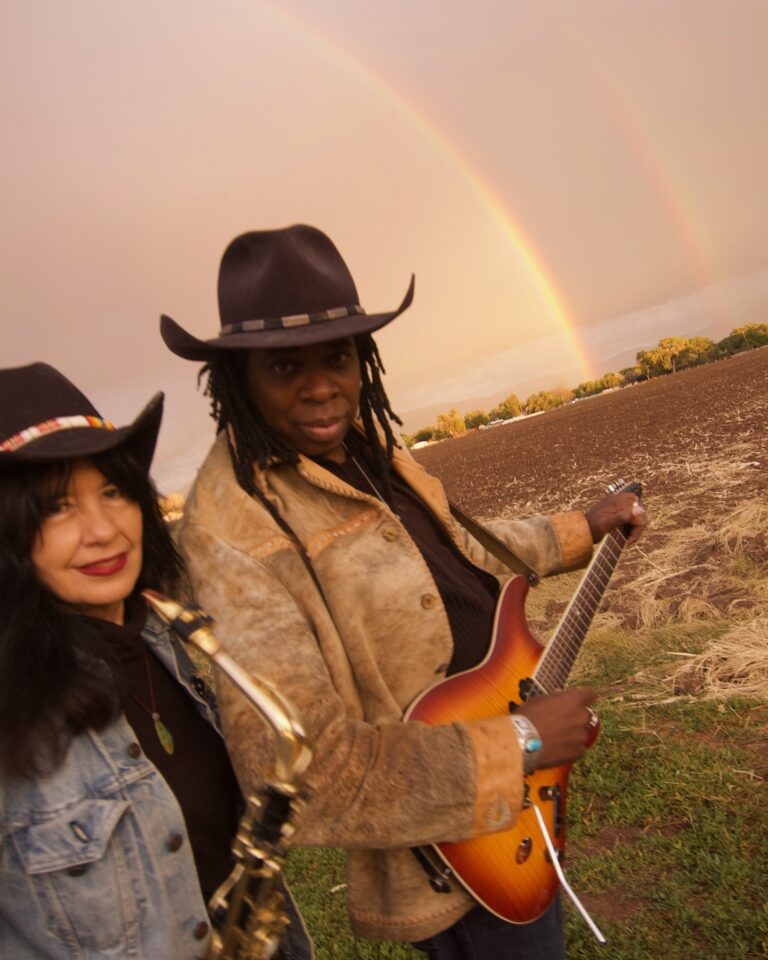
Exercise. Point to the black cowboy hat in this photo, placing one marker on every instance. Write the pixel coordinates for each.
(281, 288)
(44, 417)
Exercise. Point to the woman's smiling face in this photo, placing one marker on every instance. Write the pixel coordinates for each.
(88, 551)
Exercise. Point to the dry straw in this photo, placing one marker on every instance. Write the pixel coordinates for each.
(705, 571)
(735, 664)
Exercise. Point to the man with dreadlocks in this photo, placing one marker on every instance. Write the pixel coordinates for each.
(334, 569)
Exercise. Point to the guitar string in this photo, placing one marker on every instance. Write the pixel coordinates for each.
(567, 641)
(577, 619)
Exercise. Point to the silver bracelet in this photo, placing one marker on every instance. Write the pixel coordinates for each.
(528, 739)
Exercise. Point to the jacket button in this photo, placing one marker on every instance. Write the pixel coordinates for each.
(389, 533)
(78, 870)
(443, 668)
(175, 841)
(201, 930)
(134, 750)
(428, 601)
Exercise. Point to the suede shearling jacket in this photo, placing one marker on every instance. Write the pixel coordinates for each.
(351, 650)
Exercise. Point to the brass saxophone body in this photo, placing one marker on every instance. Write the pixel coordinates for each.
(248, 913)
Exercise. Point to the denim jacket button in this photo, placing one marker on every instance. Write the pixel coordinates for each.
(389, 533)
(175, 841)
(134, 750)
(428, 601)
(201, 930)
(78, 870)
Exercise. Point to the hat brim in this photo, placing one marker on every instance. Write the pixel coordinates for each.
(75, 442)
(184, 345)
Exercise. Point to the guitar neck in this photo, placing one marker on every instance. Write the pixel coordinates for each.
(557, 662)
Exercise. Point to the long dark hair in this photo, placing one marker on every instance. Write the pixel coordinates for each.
(52, 685)
(252, 441)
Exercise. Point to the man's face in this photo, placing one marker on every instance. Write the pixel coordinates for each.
(309, 395)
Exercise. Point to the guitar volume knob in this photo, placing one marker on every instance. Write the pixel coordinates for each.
(524, 850)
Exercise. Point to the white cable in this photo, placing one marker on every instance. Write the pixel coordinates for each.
(561, 876)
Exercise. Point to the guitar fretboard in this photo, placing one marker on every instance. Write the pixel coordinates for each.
(557, 662)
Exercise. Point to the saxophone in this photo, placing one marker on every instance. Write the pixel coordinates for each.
(248, 912)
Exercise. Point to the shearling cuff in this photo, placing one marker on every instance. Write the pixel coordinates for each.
(574, 537)
(499, 774)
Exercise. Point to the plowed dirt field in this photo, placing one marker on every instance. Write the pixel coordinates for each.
(698, 442)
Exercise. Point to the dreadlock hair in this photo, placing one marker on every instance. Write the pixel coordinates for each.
(251, 440)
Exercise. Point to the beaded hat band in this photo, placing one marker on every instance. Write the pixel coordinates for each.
(45, 418)
(53, 425)
(297, 320)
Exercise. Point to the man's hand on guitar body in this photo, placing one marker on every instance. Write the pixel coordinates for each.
(616, 510)
(511, 871)
(565, 724)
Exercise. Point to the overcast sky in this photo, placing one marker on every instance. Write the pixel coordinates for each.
(547, 170)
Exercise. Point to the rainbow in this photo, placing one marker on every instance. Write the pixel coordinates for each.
(669, 186)
(543, 282)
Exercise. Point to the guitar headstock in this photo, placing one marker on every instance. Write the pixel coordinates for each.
(621, 486)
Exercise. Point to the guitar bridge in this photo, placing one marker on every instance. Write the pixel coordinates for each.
(552, 793)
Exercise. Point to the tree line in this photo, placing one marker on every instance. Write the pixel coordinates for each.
(668, 356)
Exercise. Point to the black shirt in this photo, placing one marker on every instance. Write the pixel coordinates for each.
(469, 594)
(198, 771)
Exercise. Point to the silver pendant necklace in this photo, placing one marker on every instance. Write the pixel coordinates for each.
(363, 473)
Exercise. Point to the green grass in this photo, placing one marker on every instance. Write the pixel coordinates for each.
(611, 656)
(668, 836)
(317, 880)
(669, 822)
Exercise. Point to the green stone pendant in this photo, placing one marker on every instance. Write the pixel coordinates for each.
(163, 734)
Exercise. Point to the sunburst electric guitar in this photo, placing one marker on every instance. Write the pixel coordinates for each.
(511, 872)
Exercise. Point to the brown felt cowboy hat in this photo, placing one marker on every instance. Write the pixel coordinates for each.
(281, 288)
(44, 417)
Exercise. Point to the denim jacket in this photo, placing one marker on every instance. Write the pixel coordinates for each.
(95, 861)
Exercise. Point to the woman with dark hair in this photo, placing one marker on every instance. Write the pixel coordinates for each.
(118, 804)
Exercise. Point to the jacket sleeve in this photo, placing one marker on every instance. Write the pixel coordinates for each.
(550, 544)
(555, 543)
(370, 784)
